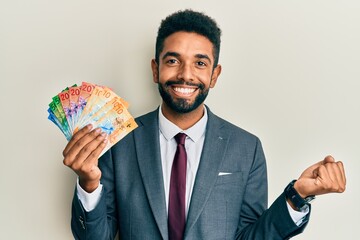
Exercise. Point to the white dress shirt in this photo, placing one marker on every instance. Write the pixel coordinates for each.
(193, 144)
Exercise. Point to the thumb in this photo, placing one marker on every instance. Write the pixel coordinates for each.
(311, 172)
(329, 159)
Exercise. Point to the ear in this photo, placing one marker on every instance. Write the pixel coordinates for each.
(155, 71)
(216, 73)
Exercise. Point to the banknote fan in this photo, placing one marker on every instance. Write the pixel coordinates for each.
(77, 106)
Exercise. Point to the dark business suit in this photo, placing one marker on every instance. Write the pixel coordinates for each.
(223, 206)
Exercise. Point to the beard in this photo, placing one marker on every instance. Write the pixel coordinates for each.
(181, 105)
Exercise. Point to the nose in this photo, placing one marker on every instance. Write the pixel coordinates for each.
(186, 73)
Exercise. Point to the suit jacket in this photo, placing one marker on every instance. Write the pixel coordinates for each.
(223, 206)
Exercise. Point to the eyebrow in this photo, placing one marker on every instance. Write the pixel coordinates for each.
(203, 56)
(175, 54)
(170, 54)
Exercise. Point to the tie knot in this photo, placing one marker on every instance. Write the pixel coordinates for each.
(180, 138)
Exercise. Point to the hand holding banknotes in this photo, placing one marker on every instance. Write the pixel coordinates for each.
(81, 154)
(92, 118)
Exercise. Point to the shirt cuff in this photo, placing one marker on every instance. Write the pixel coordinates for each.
(297, 216)
(88, 200)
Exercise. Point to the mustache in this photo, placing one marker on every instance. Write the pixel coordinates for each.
(182, 82)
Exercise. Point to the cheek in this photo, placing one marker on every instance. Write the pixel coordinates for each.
(166, 74)
(205, 78)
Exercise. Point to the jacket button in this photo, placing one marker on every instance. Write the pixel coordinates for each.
(81, 220)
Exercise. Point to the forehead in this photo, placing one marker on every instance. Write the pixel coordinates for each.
(187, 43)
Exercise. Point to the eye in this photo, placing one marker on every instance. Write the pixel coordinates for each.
(171, 61)
(201, 64)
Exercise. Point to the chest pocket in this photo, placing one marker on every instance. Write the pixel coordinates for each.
(237, 178)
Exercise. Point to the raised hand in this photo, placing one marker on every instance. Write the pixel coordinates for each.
(81, 154)
(326, 176)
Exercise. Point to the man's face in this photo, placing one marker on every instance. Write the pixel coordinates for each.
(185, 71)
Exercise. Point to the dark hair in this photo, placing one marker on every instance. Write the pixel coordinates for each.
(189, 21)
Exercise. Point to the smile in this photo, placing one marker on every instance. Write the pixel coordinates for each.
(184, 91)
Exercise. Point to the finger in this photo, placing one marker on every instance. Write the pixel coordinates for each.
(336, 171)
(314, 168)
(76, 137)
(87, 150)
(73, 154)
(89, 169)
(336, 175)
(322, 177)
(329, 179)
(93, 157)
(329, 159)
(342, 169)
(310, 171)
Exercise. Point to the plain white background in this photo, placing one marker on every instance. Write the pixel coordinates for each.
(291, 76)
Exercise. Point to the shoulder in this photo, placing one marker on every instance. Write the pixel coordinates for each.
(243, 150)
(149, 117)
(234, 131)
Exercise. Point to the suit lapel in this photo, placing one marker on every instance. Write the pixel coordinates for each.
(216, 140)
(149, 158)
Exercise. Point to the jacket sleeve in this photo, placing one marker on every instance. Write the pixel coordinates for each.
(101, 222)
(257, 222)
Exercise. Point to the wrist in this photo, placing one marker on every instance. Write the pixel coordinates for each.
(89, 186)
(295, 200)
(298, 189)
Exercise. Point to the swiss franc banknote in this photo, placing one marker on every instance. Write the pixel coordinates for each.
(77, 106)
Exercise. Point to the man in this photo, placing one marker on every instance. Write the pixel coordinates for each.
(220, 191)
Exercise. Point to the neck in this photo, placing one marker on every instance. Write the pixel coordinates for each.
(183, 120)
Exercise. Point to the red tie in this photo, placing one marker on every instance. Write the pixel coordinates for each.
(176, 211)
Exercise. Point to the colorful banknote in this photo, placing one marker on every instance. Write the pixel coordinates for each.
(74, 93)
(77, 106)
(85, 92)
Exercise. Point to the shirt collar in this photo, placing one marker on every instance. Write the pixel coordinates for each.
(169, 129)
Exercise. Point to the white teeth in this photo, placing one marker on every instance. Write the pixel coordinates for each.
(184, 90)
